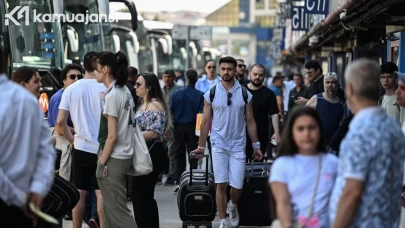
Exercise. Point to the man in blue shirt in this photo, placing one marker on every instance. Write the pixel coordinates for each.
(70, 74)
(368, 185)
(186, 103)
(276, 87)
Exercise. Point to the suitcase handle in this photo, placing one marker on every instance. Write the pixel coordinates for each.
(265, 158)
(192, 156)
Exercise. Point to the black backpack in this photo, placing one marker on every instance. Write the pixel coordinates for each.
(244, 94)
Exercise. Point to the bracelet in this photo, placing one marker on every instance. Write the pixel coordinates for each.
(201, 147)
(256, 145)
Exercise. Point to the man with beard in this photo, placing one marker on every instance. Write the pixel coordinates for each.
(316, 78)
(329, 106)
(264, 105)
(240, 72)
(228, 108)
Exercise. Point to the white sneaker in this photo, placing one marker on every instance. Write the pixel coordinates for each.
(224, 225)
(233, 216)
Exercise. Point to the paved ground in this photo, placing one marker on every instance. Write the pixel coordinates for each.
(168, 212)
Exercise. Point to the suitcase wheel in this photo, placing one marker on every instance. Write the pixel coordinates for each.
(186, 225)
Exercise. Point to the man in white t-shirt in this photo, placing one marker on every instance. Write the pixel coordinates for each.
(389, 81)
(231, 111)
(82, 101)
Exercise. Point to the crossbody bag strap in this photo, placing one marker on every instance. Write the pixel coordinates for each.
(311, 207)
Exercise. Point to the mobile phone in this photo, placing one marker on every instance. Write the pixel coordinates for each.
(273, 141)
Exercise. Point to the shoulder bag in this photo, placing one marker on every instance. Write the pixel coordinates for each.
(141, 161)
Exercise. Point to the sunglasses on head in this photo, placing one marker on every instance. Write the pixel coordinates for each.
(73, 76)
(229, 94)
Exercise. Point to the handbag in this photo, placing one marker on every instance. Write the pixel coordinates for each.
(141, 163)
(296, 224)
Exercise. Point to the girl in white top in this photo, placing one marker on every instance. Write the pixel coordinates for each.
(115, 138)
(294, 173)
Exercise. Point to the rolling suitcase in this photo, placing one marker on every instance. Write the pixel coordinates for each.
(196, 198)
(256, 205)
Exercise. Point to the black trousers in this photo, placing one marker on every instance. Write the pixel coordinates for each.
(264, 142)
(13, 217)
(184, 142)
(62, 198)
(146, 211)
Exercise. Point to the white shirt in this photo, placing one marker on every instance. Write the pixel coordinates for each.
(287, 87)
(228, 123)
(388, 104)
(299, 173)
(82, 100)
(119, 103)
(27, 161)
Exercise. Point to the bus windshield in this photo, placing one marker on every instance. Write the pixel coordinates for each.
(35, 42)
(90, 35)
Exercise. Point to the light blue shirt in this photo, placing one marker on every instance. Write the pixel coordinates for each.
(228, 130)
(372, 152)
(27, 161)
(203, 84)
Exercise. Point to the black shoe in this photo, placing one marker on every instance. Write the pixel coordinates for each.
(159, 180)
(176, 190)
(169, 182)
(68, 216)
(94, 222)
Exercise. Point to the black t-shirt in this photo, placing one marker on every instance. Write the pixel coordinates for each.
(264, 103)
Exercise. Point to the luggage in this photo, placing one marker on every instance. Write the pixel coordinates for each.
(256, 205)
(196, 197)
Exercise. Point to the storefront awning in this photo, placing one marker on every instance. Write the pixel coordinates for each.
(324, 24)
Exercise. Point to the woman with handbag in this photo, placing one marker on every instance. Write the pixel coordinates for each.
(115, 138)
(153, 118)
(303, 174)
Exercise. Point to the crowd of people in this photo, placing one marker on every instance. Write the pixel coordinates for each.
(339, 157)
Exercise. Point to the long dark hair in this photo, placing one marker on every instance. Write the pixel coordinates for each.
(155, 92)
(287, 147)
(118, 64)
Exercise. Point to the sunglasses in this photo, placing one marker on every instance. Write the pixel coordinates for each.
(229, 98)
(241, 65)
(73, 76)
(211, 67)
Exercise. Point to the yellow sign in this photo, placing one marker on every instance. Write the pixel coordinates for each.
(198, 124)
(44, 102)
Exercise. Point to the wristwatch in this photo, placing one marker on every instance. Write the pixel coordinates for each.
(256, 145)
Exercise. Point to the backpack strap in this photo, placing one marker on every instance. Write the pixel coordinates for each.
(380, 100)
(245, 96)
(212, 96)
(212, 93)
